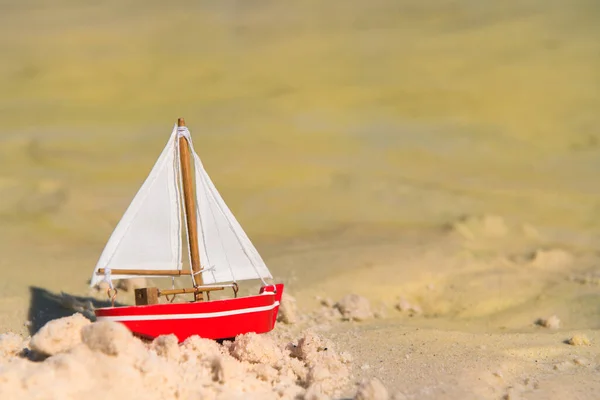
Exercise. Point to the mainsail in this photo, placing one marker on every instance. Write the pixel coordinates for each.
(148, 237)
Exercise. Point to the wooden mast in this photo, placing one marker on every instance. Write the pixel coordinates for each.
(190, 209)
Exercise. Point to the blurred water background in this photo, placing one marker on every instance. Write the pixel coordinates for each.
(310, 117)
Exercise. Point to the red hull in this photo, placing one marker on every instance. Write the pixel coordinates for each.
(217, 319)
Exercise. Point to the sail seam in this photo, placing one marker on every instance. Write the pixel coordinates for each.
(185, 132)
(177, 183)
(200, 224)
(180, 198)
(205, 187)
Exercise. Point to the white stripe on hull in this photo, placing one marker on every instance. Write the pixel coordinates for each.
(155, 317)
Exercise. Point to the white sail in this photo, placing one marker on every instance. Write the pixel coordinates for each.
(148, 237)
(226, 252)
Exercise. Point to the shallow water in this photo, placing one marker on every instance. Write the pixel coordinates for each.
(311, 117)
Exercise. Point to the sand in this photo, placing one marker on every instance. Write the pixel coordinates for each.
(253, 366)
(501, 324)
(422, 177)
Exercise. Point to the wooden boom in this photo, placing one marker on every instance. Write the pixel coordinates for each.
(146, 272)
(169, 292)
(149, 296)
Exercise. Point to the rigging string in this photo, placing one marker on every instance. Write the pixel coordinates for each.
(186, 133)
(108, 279)
(204, 269)
(205, 187)
(200, 225)
(171, 299)
(178, 199)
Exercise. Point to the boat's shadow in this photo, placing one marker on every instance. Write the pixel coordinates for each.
(45, 306)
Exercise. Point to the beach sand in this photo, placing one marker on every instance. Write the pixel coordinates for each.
(422, 177)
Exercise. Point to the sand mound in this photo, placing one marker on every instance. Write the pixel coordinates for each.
(404, 305)
(372, 390)
(103, 359)
(552, 322)
(59, 335)
(354, 307)
(110, 338)
(351, 307)
(579, 340)
(472, 227)
(493, 227)
(551, 258)
(11, 345)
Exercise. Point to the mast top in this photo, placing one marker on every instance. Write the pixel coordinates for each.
(180, 122)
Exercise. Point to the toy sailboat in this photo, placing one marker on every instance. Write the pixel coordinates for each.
(148, 242)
